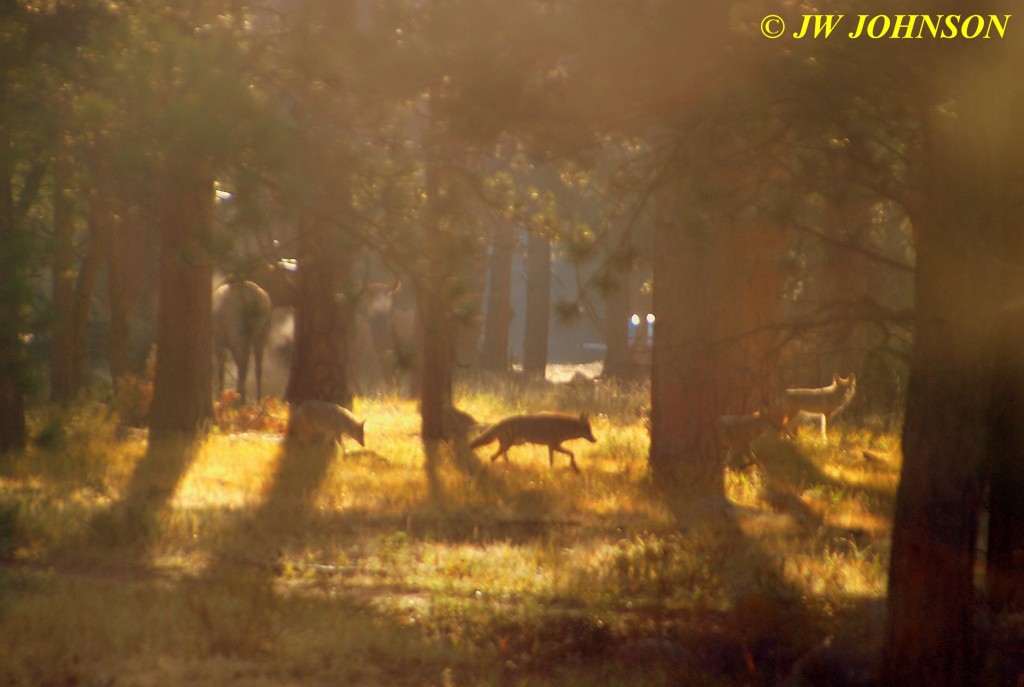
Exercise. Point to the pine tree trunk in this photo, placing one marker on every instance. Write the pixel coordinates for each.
(434, 312)
(617, 312)
(182, 386)
(1004, 567)
(959, 221)
(1004, 564)
(538, 306)
(125, 265)
(13, 430)
(748, 299)
(499, 299)
(63, 384)
(436, 345)
(935, 522)
(72, 296)
(319, 367)
(684, 458)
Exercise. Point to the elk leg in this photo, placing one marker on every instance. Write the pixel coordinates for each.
(242, 363)
(258, 359)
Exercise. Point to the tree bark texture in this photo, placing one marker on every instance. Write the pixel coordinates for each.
(182, 385)
(63, 381)
(717, 297)
(319, 367)
(73, 286)
(538, 306)
(616, 327)
(684, 457)
(499, 294)
(129, 292)
(14, 255)
(968, 210)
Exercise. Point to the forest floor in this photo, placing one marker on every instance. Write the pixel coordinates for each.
(249, 561)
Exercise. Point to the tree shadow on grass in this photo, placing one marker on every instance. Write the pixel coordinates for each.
(457, 452)
(133, 522)
(287, 503)
(774, 624)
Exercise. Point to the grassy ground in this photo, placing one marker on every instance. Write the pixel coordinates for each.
(248, 561)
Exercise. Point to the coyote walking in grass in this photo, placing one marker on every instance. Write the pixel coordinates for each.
(826, 401)
(738, 432)
(326, 422)
(549, 429)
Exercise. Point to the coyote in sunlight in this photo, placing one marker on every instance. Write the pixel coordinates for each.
(549, 429)
(826, 401)
(326, 422)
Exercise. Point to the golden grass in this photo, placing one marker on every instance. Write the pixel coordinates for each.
(370, 573)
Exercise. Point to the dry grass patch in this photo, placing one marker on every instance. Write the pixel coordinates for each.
(271, 564)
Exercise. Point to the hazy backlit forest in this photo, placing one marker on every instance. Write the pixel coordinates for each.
(536, 342)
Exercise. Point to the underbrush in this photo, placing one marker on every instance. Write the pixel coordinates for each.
(265, 563)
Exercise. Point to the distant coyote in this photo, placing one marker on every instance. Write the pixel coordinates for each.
(826, 401)
(549, 429)
(326, 421)
(737, 432)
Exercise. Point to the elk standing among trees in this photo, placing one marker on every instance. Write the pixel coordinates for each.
(384, 350)
(241, 324)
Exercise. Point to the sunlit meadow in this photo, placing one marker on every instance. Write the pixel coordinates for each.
(513, 573)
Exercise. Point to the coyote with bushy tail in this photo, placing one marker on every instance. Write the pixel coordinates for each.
(548, 429)
(325, 421)
(825, 401)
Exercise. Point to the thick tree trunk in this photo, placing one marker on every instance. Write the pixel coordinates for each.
(319, 367)
(617, 312)
(129, 260)
(434, 311)
(63, 383)
(538, 306)
(1004, 568)
(747, 301)
(13, 256)
(499, 299)
(182, 386)
(935, 522)
(72, 295)
(436, 344)
(960, 221)
(684, 457)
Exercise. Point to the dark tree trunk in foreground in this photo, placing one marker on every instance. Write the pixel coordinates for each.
(968, 214)
(538, 306)
(499, 293)
(1004, 565)
(13, 430)
(320, 349)
(684, 457)
(15, 291)
(935, 521)
(182, 385)
(1004, 562)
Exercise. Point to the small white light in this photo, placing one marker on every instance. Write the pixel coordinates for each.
(635, 319)
(650, 318)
